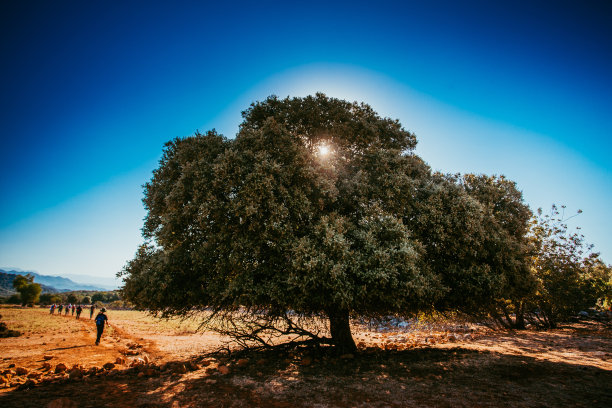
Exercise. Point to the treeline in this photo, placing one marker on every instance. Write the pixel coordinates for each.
(84, 297)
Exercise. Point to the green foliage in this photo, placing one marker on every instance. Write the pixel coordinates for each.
(267, 223)
(14, 299)
(50, 298)
(570, 277)
(28, 290)
(86, 300)
(72, 298)
(105, 297)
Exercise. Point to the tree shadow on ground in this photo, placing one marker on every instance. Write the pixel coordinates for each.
(426, 377)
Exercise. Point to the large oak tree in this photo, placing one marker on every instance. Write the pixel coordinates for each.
(319, 207)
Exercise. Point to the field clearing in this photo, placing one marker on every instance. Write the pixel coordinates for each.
(429, 365)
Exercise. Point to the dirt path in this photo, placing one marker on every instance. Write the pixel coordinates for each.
(71, 342)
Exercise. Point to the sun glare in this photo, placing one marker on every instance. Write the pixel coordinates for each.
(323, 150)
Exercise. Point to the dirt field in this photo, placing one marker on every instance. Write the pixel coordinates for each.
(163, 364)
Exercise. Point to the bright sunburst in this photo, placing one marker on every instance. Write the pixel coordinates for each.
(324, 150)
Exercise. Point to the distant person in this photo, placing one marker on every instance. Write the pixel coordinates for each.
(52, 309)
(73, 309)
(91, 310)
(101, 320)
(68, 307)
(59, 309)
(79, 309)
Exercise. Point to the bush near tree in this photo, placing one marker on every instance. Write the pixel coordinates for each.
(14, 299)
(319, 208)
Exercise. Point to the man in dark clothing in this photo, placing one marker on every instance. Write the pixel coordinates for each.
(91, 310)
(101, 320)
(79, 309)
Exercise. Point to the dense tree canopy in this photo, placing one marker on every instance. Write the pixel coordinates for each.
(319, 207)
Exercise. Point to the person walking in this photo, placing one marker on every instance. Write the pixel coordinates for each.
(73, 309)
(59, 310)
(101, 320)
(68, 307)
(91, 310)
(79, 309)
(52, 309)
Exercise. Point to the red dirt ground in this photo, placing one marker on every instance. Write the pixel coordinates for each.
(570, 366)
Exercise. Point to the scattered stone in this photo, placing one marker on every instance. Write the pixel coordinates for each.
(120, 360)
(141, 374)
(243, 362)
(137, 362)
(21, 370)
(62, 403)
(75, 373)
(47, 357)
(12, 365)
(46, 366)
(205, 363)
(3, 379)
(223, 369)
(210, 381)
(60, 368)
(108, 366)
(193, 366)
(146, 359)
(180, 369)
(35, 376)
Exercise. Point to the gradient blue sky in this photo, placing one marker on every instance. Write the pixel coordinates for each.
(91, 90)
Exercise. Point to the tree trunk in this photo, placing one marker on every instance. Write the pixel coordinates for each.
(340, 330)
(520, 316)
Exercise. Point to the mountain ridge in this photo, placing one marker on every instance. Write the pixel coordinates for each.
(56, 283)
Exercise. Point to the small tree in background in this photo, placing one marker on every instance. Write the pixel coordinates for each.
(28, 290)
(570, 277)
(86, 300)
(72, 298)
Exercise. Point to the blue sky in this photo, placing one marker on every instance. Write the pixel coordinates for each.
(90, 91)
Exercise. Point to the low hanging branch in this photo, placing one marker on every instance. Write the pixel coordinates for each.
(264, 330)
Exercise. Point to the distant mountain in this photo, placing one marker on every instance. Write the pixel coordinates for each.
(59, 283)
(107, 283)
(6, 284)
